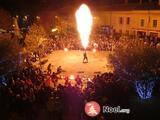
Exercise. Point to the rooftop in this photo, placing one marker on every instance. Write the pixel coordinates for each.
(126, 7)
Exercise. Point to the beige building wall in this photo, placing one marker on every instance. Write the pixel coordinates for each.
(112, 18)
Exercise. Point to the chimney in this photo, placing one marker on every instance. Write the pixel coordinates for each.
(149, 1)
(126, 1)
(140, 1)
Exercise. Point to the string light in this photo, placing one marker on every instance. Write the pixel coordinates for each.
(144, 88)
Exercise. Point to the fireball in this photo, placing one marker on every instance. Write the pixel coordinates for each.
(84, 21)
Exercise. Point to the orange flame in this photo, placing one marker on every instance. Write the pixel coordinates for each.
(84, 24)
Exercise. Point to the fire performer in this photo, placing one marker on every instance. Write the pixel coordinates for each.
(84, 21)
(85, 58)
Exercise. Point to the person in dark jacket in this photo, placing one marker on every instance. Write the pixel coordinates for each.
(85, 58)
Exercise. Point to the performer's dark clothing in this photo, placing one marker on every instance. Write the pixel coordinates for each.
(85, 58)
(59, 69)
(49, 69)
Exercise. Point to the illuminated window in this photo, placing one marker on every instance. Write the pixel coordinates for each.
(128, 21)
(142, 23)
(120, 20)
(154, 23)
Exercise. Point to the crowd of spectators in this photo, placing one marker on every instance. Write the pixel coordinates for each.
(28, 94)
(99, 41)
(36, 95)
(33, 94)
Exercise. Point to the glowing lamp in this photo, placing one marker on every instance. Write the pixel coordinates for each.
(94, 50)
(54, 29)
(66, 49)
(72, 77)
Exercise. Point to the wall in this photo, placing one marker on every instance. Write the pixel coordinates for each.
(111, 18)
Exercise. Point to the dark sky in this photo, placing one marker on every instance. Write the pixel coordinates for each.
(33, 6)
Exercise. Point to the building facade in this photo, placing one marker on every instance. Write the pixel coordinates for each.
(138, 19)
(134, 19)
(133, 22)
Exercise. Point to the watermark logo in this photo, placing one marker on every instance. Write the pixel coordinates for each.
(92, 108)
(108, 109)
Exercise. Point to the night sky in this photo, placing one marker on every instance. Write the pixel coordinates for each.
(33, 6)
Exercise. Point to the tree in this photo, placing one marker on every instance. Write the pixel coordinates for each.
(138, 62)
(9, 51)
(35, 38)
(6, 20)
(16, 28)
